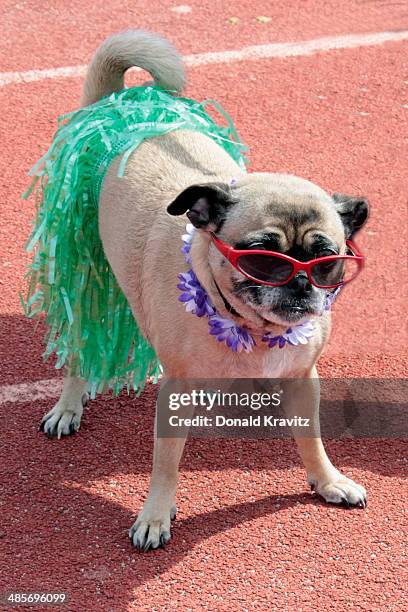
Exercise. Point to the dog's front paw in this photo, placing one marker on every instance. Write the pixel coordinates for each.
(152, 528)
(340, 490)
(65, 418)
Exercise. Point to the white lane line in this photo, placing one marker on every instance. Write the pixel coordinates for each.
(8, 78)
(30, 392)
(295, 49)
(255, 52)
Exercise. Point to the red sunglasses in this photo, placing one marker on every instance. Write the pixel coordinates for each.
(272, 268)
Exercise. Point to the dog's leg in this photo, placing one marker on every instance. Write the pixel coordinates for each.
(65, 418)
(322, 476)
(152, 526)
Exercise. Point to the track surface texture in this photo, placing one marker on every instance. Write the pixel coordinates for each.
(249, 535)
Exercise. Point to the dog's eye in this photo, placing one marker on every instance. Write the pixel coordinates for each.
(326, 253)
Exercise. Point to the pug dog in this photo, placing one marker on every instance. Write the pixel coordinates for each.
(142, 217)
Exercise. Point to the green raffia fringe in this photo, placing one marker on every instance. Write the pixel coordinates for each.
(89, 321)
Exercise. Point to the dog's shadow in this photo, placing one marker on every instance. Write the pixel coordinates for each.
(61, 517)
(67, 505)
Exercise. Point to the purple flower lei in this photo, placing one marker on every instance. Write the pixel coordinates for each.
(197, 301)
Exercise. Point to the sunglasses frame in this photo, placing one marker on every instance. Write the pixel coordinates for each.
(233, 255)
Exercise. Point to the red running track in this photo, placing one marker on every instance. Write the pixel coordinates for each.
(248, 534)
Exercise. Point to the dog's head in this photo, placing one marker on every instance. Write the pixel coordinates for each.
(273, 212)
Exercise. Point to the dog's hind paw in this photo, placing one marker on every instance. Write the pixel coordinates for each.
(151, 531)
(342, 491)
(64, 419)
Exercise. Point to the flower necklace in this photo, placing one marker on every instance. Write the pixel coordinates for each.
(237, 338)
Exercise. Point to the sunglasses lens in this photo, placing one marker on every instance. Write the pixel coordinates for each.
(265, 268)
(334, 272)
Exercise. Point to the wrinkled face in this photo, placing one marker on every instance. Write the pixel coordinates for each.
(277, 213)
(296, 300)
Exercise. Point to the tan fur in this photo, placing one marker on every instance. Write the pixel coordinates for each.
(132, 213)
(142, 243)
(133, 48)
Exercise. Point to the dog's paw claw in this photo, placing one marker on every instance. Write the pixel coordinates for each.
(72, 429)
(345, 502)
(164, 538)
(150, 533)
(342, 491)
(62, 420)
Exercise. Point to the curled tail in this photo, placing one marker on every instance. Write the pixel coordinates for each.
(125, 50)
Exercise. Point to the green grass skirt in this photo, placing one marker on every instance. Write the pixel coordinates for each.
(89, 322)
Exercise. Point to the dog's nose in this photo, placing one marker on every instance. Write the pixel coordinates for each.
(300, 285)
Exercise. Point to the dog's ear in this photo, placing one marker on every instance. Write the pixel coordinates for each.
(206, 204)
(353, 212)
